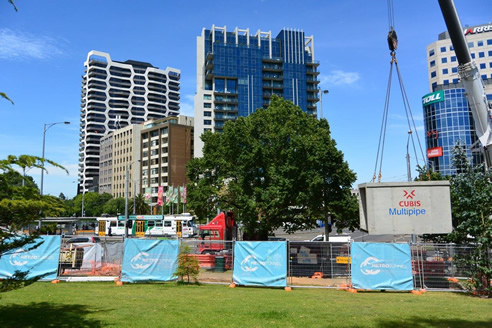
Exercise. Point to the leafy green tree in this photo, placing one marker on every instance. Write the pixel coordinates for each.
(471, 195)
(278, 167)
(93, 203)
(187, 264)
(114, 206)
(20, 206)
(141, 207)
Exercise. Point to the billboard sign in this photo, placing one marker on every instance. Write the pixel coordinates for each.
(261, 263)
(381, 266)
(434, 152)
(433, 97)
(405, 207)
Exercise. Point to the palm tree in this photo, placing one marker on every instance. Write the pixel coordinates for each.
(141, 207)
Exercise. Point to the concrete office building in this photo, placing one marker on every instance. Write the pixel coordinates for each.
(106, 164)
(114, 95)
(125, 151)
(166, 148)
(447, 116)
(238, 72)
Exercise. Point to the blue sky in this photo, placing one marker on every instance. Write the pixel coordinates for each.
(43, 47)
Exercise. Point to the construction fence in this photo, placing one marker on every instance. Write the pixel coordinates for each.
(310, 264)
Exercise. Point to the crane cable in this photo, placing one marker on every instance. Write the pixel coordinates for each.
(392, 39)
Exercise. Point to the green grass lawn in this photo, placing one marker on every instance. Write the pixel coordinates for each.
(169, 305)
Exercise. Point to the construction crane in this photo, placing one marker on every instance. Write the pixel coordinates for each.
(472, 82)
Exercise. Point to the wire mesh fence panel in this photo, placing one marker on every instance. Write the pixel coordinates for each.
(91, 257)
(319, 264)
(440, 266)
(215, 259)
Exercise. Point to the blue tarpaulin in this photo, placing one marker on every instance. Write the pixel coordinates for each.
(149, 260)
(260, 263)
(381, 266)
(39, 262)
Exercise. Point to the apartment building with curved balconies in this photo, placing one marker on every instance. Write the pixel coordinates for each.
(114, 95)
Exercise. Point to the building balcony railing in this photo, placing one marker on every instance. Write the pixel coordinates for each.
(314, 63)
(226, 108)
(272, 59)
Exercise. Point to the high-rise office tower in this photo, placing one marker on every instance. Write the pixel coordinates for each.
(447, 115)
(238, 72)
(114, 95)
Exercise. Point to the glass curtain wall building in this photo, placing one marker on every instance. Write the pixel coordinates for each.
(114, 95)
(448, 120)
(447, 116)
(238, 72)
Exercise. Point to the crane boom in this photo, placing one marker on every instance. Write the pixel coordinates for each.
(472, 82)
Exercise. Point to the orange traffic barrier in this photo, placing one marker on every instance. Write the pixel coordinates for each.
(452, 279)
(352, 290)
(119, 283)
(416, 292)
(55, 281)
(288, 289)
(233, 285)
(317, 275)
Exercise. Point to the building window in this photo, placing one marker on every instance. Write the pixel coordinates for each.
(443, 49)
(432, 63)
(207, 129)
(207, 105)
(484, 77)
(444, 60)
(481, 54)
(207, 114)
(479, 43)
(433, 74)
(473, 56)
(444, 71)
(207, 97)
(455, 80)
(489, 42)
(431, 52)
(207, 122)
(445, 81)
(482, 66)
(454, 69)
(453, 58)
(490, 53)
(470, 44)
(490, 64)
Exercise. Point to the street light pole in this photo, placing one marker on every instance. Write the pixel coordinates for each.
(321, 101)
(126, 196)
(45, 128)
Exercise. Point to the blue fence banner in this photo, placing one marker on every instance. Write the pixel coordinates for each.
(39, 262)
(260, 263)
(381, 266)
(149, 260)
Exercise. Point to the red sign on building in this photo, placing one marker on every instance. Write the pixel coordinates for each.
(434, 152)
